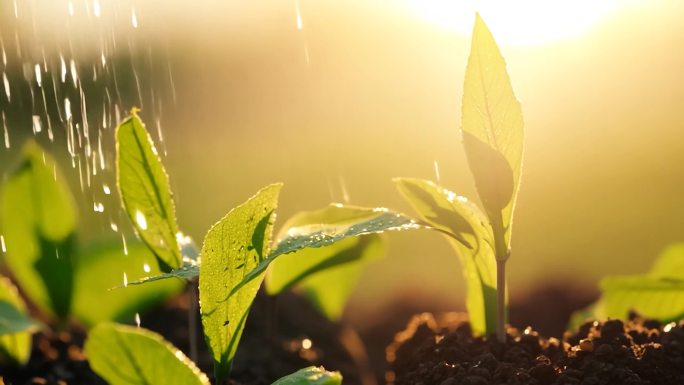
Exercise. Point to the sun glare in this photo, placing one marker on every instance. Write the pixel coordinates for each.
(519, 23)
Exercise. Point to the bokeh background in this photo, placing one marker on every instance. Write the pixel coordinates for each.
(335, 98)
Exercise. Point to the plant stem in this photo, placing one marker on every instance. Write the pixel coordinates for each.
(501, 300)
(192, 319)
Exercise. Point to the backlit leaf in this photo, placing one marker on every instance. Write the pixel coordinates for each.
(311, 376)
(145, 193)
(326, 275)
(233, 247)
(101, 267)
(14, 347)
(470, 233)
(39, 219)
(492, 125)
(125, 355)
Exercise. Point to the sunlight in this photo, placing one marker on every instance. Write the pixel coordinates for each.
(519, 23)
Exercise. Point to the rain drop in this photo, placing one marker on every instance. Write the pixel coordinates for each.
(106, 189)
(2, 244)
(125, 279)
(137, 319)
(7, 85)
(134, 18)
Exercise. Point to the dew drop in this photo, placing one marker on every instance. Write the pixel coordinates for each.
(140, 220)
(146, 268)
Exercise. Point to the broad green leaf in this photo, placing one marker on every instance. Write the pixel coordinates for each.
(658, 298)
(233, 246)
(311, 376)
(101, 267)
(659, 294)
(39, 219)
(125, 355)
(470, 233)
(492, 125)
(327, 275)
(14, 347)
(320, 235)
(145, 192)
(670, 263)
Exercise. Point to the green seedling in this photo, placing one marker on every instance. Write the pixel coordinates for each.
(63, 281)
(492, 131)
(658, 294)
(16, 325)
(237, 250)
(311, 376)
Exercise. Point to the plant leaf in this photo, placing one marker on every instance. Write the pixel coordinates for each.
(39, 218)
(327, 275)
(492, 125)
(233, 246)
(657, 298)
(145, 192)
(124, 355)
(311, 376)
(15, 347)
(100, 267)
(321, 235)
(470, 233)
(670, 263)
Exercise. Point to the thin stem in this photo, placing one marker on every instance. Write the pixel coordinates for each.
(501, 300)
(192, 319)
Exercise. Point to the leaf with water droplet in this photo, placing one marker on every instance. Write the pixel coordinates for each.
(470, 233)
(38, 215)
(374, 221)
(145, 192)
(250, 225)
(492, 126)
(326, 275)
(15, 325)
(126, 355)
(311, 376)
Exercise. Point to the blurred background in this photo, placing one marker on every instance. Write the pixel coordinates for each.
(335, 98)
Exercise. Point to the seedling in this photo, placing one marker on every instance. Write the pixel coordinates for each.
(492, 131)
(236, 250)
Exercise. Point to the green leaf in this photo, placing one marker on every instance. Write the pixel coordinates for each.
(327, 275)
(470, 233)
(124, 355)
(311, 376)
(233, 246)
(670, 263)
(15, 347)
(325, 234)
(657, 298)
(145, 192)
(101, 267)
(492, 125)
(39, 219)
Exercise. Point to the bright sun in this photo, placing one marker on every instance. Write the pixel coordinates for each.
(522, 22)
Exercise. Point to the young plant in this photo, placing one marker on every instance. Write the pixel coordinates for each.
(492, 131)
(237, 250)
(658, 294)
(15, 326)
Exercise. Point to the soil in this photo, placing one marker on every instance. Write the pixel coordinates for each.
(444, 352)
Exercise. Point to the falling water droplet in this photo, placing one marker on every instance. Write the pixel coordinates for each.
(125, 279)
(140, 220)
(96, 8)
(37, 126)
(64, 68)
(2, 244)
(98, 207)
(299, 17)
(137, 319)
(74, 73)
(437, 172)
(39, 78)
(105, 189)
(7, 86)
(114, 227)
(343, 187)
(134, 18)
(125, 247)
(70, 6)
(4, 126)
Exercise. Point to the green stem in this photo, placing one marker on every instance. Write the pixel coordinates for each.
(502, 254)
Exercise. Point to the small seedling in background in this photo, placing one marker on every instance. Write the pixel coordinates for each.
(492, 129)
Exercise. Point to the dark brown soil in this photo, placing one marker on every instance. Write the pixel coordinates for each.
(444, 352)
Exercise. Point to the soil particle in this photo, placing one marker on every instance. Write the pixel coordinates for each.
(638, 352)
